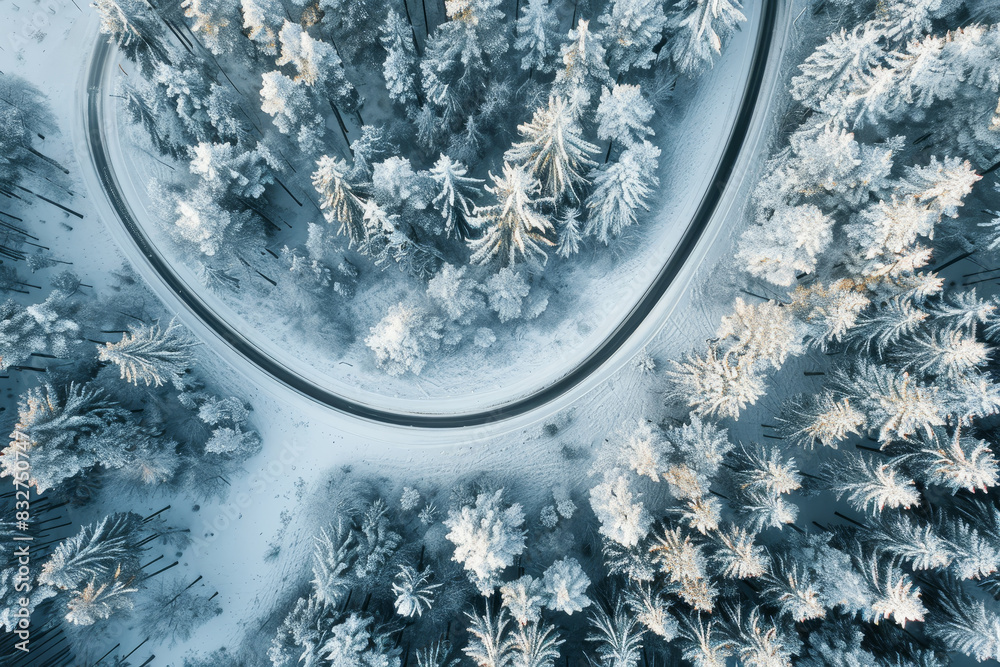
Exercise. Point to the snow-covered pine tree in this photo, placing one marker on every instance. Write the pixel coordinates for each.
(831, 310)
(523, 598)
(871, 484)
(176, 609)
(790, 587)
(935, 70)
(564, 585)
(400, 66)
(704, 645)
(151, 355)
(535, 645)
(302, 633)
(15, 128)
(680, 559)
(317, 65)
(409, 500)
(696, 30)
(837, 66)
(887, 231)
(947, 352)
(514, 230)
(456, 295)
(623, 115)
(762, 468)
(643, 449)
(569, 232)
(897, 404)
(820, 418)
(633, 29)
(402, 339)
(183, 87)
(490, 644)
(787, 244)
(67, 430)
(291, 110)
(145, 106)
(620, 511)
(762, 509)
(202, 221)
(766, 332)
(505, 292)
(487, 536)
(353, 25)
(455, 65)
(216, 24)
(232, 172)
(584, 69)
(453, 199)
(96, 553)
(486, 19)
(965, 624)
(717, 384)
(893, 593)
(904, 20)
(45, 328)
(957, 461)
(652, 610)
(356, 641)
(618, 636)
(554, 151)
(942, 185)
(828, 167)
(372, 146)
(737, 555)
(376, 540)
(436, 654)
(97, 601)
(621, 190)
(537, 35)
(135, 28)
(413, 590)
(262, 19)
(12, 600)
(880, 329)
(917, 544)
(337, 199)
(758, 640)
(333, 555)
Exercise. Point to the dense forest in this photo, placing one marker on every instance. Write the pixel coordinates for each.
(319, 145)
(817, 485)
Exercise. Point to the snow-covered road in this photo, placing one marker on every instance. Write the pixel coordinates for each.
(662, 292)
(305, 440)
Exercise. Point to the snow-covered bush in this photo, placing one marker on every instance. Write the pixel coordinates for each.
(487, 536)
(402, 340)
(564, 585)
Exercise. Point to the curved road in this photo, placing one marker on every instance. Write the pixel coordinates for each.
(707, 207)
